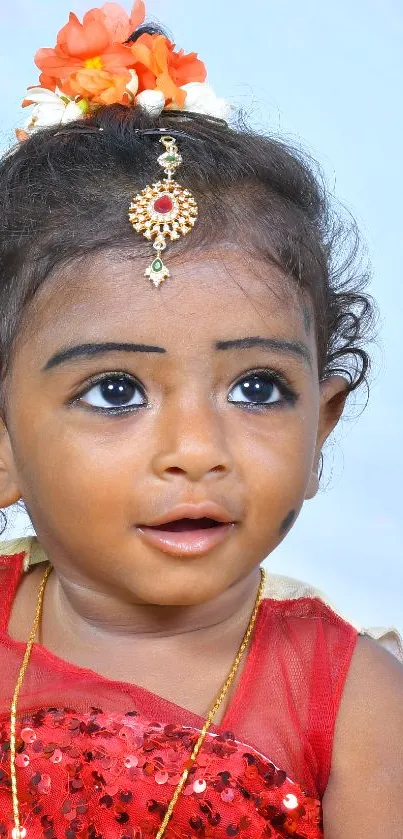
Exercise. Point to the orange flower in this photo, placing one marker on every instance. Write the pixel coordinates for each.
(99, 86)
(84, 40)
(94, 44)
(143, 62)
(119, 25)
(184, 69)
(47, 81)
(21, 135)
(159, 67)
(94, 61)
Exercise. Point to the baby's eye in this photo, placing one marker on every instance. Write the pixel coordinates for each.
(257, 389)
(113, 392)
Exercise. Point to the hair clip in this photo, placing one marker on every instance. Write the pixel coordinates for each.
(163, 210)
(79, 129)
(169, 131)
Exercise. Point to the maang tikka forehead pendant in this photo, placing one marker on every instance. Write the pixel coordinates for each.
(163, 210)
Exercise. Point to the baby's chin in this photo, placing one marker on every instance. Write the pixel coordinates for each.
(187, 584)
(161, 580)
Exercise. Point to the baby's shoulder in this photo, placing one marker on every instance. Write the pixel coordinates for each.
(374, 687)
(366, 777)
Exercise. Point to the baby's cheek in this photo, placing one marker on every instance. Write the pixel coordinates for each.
(276, 489)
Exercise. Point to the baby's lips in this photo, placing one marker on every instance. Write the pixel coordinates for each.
(205, 510)
(186, 524)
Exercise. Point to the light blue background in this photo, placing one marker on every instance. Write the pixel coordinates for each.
(328, 76)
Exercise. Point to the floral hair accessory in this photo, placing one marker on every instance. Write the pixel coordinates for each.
(99, 62)
(163, 210)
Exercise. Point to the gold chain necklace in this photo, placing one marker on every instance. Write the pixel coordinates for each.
(19, 832)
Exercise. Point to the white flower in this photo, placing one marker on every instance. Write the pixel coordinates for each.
(201, 99)
(50, 108)
(152, 101)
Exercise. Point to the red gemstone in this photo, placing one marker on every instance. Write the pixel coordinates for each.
(163, 204)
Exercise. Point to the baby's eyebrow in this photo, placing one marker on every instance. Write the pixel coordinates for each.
(89, 350)
(294, 348)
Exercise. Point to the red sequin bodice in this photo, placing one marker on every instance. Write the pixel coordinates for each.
(98, 759)
(112, 776)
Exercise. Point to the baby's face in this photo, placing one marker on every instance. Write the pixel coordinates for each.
(103, 442)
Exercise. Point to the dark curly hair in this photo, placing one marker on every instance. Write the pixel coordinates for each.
(65, 192)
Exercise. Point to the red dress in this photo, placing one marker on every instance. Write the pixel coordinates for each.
(99, 759)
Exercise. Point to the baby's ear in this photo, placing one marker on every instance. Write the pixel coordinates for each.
(333, 395)
(9, 490)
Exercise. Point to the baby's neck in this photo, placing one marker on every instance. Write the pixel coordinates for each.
(182, 654)
(86, 611)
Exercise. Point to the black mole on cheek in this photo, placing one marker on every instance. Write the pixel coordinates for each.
(288, 521)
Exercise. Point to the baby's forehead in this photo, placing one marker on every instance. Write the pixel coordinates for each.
(212, 302)
(220, 286)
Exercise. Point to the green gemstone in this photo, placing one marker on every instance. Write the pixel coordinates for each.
(168, 157)
(157, 265)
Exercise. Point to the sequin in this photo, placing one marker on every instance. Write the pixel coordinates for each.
(98, 775)
(130, 761)
(245, 823)
(22, 760)
(112, 789)
(227, 795)
(199, 786)
(28, 735)
(290, 801)
(45, 784)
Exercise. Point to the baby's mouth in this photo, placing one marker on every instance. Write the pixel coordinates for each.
(186, 536)
(183, 525)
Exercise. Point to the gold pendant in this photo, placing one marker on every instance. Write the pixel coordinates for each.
(163, 210)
